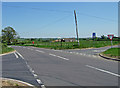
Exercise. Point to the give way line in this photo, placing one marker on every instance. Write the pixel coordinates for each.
(58, 56)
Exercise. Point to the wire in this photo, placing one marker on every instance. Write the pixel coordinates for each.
(70, 12)
(40, 9)
(54, 22)
(51, 23)
(96, 17)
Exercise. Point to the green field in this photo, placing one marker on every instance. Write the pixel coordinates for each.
(71, 45)
(5, 49)
(113, 52)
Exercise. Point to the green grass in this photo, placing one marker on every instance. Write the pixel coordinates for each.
(5, 49)
(72, 45)
(113, 52)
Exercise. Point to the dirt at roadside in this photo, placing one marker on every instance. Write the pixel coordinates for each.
(12, 84)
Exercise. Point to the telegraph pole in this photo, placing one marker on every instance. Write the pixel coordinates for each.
(76, 28)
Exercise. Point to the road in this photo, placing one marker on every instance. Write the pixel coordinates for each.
(59, 68)
(91, 51)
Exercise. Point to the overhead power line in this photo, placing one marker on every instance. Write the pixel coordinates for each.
(63, 11)
(50, 24)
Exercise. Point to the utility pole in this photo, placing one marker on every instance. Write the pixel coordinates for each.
(76, 28)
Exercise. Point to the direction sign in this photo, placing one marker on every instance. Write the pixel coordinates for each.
(110, 37)
(94, 35)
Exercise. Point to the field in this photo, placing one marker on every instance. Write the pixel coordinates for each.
(5, 49)
(113, 52)
(71, 45)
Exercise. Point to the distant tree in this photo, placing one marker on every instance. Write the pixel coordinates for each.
(103, 37)
(9, 35)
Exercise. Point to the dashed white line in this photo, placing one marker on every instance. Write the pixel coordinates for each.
(34, 75)
(39, 81)
(58, 56)
(40, 51)
(43, 86)
(105, 71)
(16, 55)
(33, 72)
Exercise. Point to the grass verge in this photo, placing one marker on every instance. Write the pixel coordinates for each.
(113, 52)
(71, 45)
(5, 49)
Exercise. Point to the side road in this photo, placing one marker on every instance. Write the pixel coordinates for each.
(89, 52)
(14, 67)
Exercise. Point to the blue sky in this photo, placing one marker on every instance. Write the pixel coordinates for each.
(56, 19)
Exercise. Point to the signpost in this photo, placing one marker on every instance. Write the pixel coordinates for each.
(111, 37)
(93, 36)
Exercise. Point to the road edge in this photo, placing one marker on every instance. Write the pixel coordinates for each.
(108, 58)
(8, 53)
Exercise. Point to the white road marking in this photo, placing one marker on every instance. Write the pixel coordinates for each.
(103, 71)
(16, 55)
(20, 55)
(39, 81)
(58, 56)
(40, 51)
(34, 75)
(43, 86)
(33, 71)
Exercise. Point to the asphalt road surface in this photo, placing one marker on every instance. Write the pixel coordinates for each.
(59, 68)
(92, 51)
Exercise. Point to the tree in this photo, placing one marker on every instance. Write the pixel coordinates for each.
(9, 35)
(103, 37)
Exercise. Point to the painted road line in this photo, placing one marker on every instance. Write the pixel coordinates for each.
(43, 86)
(20, 55)
(105, 71)
(39, 81)
(35, 75)
(16, 55)
(58, 56)
(40, 51)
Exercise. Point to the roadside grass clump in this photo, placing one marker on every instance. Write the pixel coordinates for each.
(113, 52)
(5, 49)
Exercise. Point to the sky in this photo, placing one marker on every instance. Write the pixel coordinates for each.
(56, 19)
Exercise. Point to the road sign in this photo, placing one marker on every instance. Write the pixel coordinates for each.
(110, 37)
(94, 35)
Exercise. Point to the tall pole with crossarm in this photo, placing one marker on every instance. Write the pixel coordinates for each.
(76, 27)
